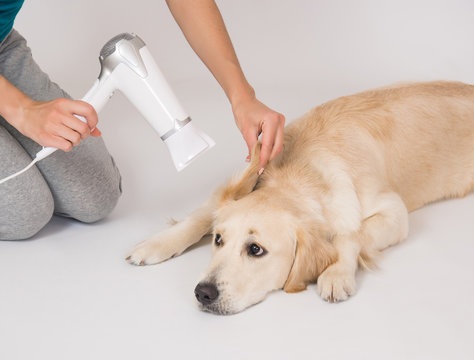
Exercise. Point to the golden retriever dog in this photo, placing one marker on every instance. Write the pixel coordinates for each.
(337, 195)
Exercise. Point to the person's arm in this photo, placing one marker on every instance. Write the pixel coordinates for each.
(204, 29)
(49, 123)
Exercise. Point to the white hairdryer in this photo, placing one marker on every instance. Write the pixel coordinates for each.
(127, 65)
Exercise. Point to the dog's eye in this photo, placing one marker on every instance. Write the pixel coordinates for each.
(218, 240)
(255, 250)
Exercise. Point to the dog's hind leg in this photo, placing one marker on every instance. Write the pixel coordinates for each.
(387, 225)
(174, 240)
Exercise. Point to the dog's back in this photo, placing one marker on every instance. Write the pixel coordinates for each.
(419, 137)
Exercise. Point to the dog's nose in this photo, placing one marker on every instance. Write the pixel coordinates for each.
(206, 293)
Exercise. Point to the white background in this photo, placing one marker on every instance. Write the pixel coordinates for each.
(68, 293)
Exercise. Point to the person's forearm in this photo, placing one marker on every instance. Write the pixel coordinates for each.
(12, 101)
(204, 29)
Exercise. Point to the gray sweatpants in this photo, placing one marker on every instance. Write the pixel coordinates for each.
(83, 184)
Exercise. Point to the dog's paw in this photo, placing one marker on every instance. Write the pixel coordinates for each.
(336, 284)
(151, 251)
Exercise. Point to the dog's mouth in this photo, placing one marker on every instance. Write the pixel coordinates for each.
(216, 309)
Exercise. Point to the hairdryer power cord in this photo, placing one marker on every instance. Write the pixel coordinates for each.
(39, 156)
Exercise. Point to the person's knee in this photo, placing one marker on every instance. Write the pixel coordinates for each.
(98, 208)
(98, 202)
(27, 218)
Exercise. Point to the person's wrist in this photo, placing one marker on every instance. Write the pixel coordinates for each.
(242, 95)
(14, 111)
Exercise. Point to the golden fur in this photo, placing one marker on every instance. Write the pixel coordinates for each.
(339, 193)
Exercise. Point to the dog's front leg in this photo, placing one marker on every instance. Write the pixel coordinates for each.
(343, 211)
(386, 224)
(174, 240)
(337, 282)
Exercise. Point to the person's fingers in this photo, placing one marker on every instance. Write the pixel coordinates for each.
(278, 145)
(254, 119)
(77, 125)
(57, 142)
(64, 144)
(96, 132)
(68, 134)
(75, 128)
(268, 141)
(85, 110)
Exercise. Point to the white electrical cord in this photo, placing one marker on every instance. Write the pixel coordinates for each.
(19, 172)
(46, 151)
(39, 156)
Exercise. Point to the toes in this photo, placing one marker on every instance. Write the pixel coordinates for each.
(151, 252)
(139, 256)
(335, 285)
(134, 260)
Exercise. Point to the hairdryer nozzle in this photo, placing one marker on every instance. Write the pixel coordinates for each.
(186, 144)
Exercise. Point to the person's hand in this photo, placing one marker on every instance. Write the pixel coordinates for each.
(254, 118)
(52, 123)
(204, 28)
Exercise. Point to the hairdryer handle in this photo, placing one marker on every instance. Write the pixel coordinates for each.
(46, 151)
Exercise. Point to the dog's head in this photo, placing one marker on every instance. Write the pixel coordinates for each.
(261, 243)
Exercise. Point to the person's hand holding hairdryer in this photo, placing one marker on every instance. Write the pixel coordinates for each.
(254, 118)
(49, 123)
(52, 123)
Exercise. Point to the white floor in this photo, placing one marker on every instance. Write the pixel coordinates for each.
(69, 294)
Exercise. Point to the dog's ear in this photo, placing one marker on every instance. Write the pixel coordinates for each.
(313, 254)
(245, 184)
